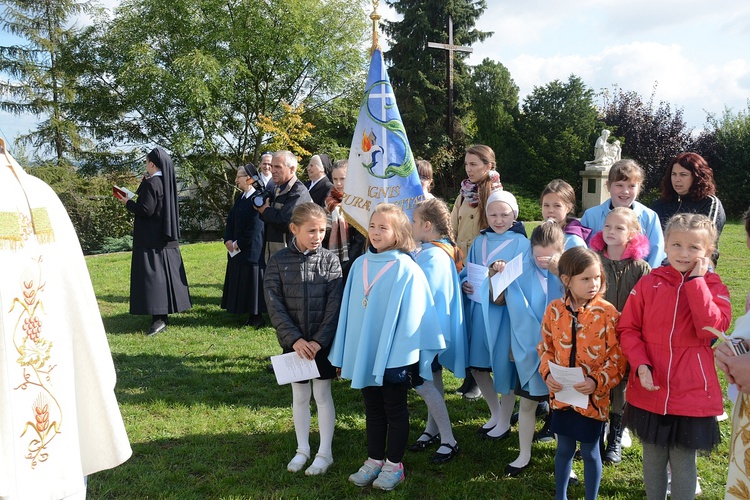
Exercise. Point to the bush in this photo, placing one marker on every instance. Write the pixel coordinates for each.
(112, 245)
(96, 215)
(529, 208)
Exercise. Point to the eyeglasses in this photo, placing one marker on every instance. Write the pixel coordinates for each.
(240, 177)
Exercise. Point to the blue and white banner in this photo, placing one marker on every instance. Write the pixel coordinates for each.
(381, 164)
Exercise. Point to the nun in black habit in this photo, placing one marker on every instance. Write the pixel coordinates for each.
(243, 282)
(158, 285)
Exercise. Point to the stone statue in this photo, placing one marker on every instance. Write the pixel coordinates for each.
(605, 154)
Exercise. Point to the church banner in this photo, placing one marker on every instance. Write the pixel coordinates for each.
(381, 164)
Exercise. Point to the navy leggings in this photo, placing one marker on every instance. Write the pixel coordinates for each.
(592, 467)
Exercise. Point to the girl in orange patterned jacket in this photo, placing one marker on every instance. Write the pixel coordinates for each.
(579, 331)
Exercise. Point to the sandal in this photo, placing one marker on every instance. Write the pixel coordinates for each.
(422, 445)
(298, 461)
(315, 470)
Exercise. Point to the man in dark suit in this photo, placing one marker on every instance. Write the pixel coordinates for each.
(319, 185)
(277, 211)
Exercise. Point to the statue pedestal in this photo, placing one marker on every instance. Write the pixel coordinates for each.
(594, 190)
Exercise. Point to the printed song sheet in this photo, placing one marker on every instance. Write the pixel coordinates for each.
(501, 281)
(568, 377)
(290, 367)
(476, 275)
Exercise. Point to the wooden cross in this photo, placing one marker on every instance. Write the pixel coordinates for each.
(451, 49)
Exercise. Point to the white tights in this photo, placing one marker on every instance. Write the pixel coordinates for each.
(500, 411)
(321, 390)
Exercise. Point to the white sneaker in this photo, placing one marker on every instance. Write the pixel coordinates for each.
(367, 473)
(626, 441)
(390, 477)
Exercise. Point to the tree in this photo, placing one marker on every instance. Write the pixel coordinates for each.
(418, 73)
(38, 83)
(651, 134)
(557, 127)
(494, 105)
(729, 157)
(203, 78)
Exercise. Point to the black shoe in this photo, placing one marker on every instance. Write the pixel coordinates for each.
(511, 471)
(504, 435)
(545, 435)
(484, 430)
(542, 409)
(441, 458)
(467, 385)
(424, 444)
(573, 482)
(256, 321)
(473, 394)
(157, 326)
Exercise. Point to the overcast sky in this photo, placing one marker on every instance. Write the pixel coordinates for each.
(695, 52)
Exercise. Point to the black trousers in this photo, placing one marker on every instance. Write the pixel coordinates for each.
(387, 421)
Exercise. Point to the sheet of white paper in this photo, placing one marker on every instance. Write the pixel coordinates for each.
(476, 275)
(568, 377)
(732, 393)
(513, 270)
(290, 367)
(234, 252)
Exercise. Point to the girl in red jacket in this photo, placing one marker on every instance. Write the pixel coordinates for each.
(675, 397)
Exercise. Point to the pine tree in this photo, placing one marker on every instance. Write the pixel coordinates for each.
(418, 73)
(37, 82)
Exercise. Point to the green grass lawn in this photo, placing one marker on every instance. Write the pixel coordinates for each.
(207, 420)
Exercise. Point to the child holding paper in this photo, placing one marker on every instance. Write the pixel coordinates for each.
(578, 331)
(488, 324)
(303, 293)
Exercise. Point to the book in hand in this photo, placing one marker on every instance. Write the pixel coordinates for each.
(116, 190)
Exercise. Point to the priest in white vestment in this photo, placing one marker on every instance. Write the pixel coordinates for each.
(59, 418)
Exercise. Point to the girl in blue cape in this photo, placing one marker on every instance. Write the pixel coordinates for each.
(487, 324)
(527, 299)
(387, 336)
(441, 259)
